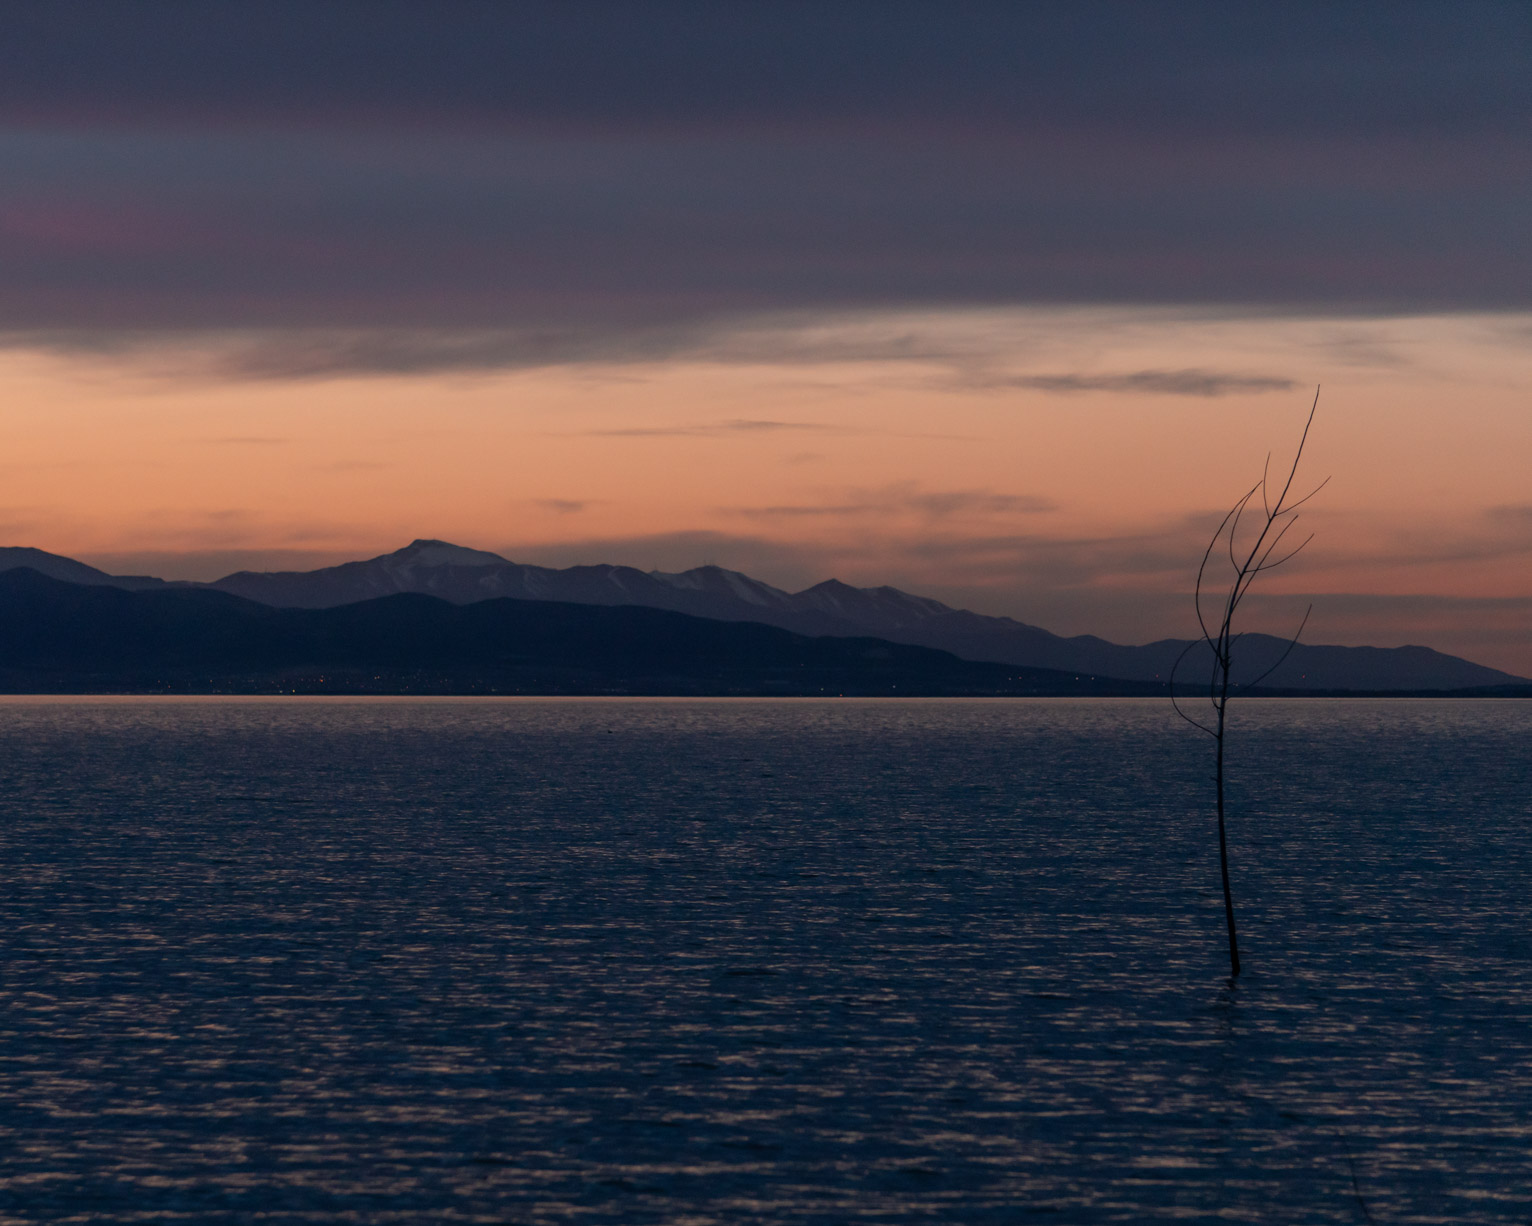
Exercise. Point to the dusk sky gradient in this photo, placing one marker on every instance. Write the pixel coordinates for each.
(999, 303)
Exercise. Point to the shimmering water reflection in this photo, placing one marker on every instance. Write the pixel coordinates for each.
(796, 962)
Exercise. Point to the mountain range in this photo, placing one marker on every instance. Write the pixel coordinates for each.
(58, 637)
(462, 576)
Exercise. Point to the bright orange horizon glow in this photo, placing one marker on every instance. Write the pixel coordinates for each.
(1079, 510)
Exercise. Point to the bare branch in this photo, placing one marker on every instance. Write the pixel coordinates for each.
(1239, 511)
(1298, 455)
(1261, 562)
(1280, 516)
(1202, 570)
(1247, 576)
(1307, 496)
(1291, 643)
(1288, 557)
(1195, 723)
(1242, 572)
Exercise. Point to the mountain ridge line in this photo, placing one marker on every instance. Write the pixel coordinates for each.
(831, 608)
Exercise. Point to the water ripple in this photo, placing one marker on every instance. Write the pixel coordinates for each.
(779, 962)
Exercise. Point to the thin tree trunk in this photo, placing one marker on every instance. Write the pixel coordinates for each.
(1223, 859)
(1279, 517)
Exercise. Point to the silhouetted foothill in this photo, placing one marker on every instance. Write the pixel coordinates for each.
(66, 637)
(467, 576)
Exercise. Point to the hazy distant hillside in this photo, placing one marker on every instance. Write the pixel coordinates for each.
(68, 570)
(463, 576)
(75, 638)
(467, 576)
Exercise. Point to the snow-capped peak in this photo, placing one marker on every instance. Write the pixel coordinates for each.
(443, 553)
(716, 580)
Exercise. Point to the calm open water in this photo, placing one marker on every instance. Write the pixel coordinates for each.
(778, 962)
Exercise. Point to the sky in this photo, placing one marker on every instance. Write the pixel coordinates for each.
(1003, 304)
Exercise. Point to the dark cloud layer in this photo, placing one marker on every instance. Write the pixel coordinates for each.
(620, 63)
(577, 177)
(963, 362)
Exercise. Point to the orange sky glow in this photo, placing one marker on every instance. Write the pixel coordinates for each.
(1059, 466)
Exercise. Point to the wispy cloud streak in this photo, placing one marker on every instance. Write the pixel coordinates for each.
(902, 499)
(1192, 382)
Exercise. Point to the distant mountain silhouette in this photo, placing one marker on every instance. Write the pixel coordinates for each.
(467, 576)
(68, 570)
(436, 568)
(76, 638)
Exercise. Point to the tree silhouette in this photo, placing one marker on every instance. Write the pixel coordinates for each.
(1219, 635)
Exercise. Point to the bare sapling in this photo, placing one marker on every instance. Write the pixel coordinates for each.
(1258, 549)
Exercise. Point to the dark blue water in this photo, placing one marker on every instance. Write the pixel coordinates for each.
(708, 962)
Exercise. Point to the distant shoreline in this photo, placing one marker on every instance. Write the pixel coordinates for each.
(1509, 693)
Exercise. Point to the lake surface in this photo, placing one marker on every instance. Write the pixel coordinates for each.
(777, 961)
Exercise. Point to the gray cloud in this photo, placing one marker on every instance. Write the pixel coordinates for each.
(1497, 534)
(1359, 347)
(324, 352)
(561, 506)
(974, 359)
(1305, 68)
(905, 498)
(1194, 382)
(525, 169)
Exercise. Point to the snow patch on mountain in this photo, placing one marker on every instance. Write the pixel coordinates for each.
(440, 553)
(833, 608)
(715, 580)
